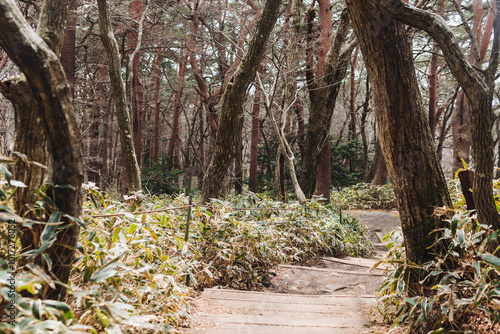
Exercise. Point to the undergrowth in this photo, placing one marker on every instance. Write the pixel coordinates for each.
(136, 273)
(461, 285)
(364, 196)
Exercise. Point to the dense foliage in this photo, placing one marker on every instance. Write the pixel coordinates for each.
(463, 280)
(364, 196)
(132, 270)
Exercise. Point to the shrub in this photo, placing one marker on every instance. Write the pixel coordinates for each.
(131, 271)
(161, 177)
(463, 283)
(364, 196)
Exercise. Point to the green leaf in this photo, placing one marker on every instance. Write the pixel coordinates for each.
(454, 225)
(476, 266)
(491, 259)
(35, 308)
(466, 167)
(106, 271)
(67, 312)
(493, 236)
(460, 237)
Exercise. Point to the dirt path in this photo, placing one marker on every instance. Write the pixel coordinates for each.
(335, 296)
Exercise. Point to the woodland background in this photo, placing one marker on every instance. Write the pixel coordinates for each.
(188, 52)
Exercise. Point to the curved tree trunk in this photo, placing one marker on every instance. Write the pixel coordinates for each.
(120, 98)
(478, 87)
(47, 79)
(232, 101)
(414, 169)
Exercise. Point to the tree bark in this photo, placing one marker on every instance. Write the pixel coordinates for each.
(254, 145)
(478, 87)
(323, 93)
(324, 176)
(47, 79)
(157, 78)
(238, 161)
(120, 98)
(352, 103)
(232, 101)
(135, 88)
(68, 53)
(414, 169)
(290, 91)
(381, 172)
(433, 80)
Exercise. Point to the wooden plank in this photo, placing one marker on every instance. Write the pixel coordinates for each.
(263, 329)
(359, 262)
(374, 273)
(243, 319)
(272, 307)
(268, 297)
(380, 237)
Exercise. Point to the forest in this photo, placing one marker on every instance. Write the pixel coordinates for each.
(153, 148)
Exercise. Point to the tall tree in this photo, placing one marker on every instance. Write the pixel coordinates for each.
(233, 98)
(461, 121)
(290, 89)
(478, 86)
(46, 78)
(414, 169)
(157, 82)
(254, 145)
(173, 146)
(323, 92)
(135, 87)
(120, 98)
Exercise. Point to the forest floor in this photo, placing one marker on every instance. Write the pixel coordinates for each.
(327, 296)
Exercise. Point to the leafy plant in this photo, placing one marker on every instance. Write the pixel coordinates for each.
(364, 196)
(132, 270)
(161, 176)
(463, 282)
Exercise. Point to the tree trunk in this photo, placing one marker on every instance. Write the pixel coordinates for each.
(352, 104)
(157, 77)
(232, 101)
(324, 177)
(461, 130)
(135, 87)
(173, 146)
(414, 169)
(68, 53)
(290, 91)
(238, 161)
(47, 79)
(381, 172)
(299, 110)
(254, 145)
(323, 93)
(120, 98)
(364, 116)
(478, 87)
